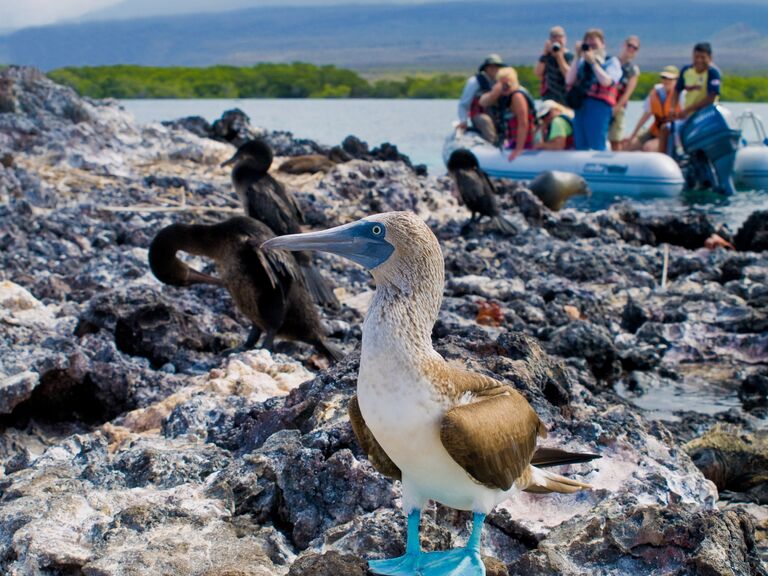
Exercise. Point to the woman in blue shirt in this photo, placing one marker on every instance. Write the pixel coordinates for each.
(598, 74)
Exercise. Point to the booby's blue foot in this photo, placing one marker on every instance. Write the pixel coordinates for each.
(459, 561)
(456, 562)
(410, 562)
(406, 565)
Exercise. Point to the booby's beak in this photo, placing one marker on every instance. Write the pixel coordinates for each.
(228, 162)
(362, 242)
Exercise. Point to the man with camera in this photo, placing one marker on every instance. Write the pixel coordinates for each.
(553, 65)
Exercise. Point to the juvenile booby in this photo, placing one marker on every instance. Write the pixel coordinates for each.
(476, 190)
(267, 200)
(266, 287)
(450, 435)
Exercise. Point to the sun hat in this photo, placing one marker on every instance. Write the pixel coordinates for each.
(492, 60)
(545, 108)
(670, 72)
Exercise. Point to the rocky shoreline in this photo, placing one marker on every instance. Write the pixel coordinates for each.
(132, 445)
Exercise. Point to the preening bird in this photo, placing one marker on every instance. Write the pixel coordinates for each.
(476, 190)
(267, 200)
(449, 434)
(267, 287)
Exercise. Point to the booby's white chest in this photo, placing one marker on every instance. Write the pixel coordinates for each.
(403, 409)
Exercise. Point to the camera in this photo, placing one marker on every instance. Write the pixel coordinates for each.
(585, 47)
(556, 47)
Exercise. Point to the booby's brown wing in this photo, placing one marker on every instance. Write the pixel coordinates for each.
(368, 443)
(492, 432)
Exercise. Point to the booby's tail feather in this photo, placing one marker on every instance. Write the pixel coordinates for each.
(543, 482)
(318, 287)
(546, 457)
(504, 225)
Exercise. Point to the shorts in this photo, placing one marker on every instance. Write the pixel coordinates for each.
(616, 129)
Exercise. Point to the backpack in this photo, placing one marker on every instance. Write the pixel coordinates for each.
(575, 97)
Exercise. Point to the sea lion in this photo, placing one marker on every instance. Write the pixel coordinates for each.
(733, 460)
(554, 188)
(309, 164)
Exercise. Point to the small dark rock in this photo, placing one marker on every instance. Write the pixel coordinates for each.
(328, 564)
(754, 390)
(753, 234)
(688, 230)
(591, 342)
(633, 316)
(195, 124)
(355, 147)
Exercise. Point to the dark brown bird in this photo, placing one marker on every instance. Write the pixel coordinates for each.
(267, 200)
(476, 190)
(267, 287)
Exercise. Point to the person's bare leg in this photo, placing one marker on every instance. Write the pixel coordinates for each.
(652, 145)
(663, 137)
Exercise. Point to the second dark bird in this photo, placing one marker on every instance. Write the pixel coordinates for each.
(476, 190)
(267, 287)
(267, 200)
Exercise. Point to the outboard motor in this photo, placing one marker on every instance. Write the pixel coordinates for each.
(710, 139)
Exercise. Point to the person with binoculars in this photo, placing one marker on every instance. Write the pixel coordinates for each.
(593, 91)
(553, 65)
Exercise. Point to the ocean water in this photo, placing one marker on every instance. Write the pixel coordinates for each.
(418, 128)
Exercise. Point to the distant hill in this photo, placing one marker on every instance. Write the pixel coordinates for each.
(374, 38)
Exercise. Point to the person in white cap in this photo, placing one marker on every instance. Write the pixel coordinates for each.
(556, 126)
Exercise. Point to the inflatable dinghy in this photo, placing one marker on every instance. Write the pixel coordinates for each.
(630, 174)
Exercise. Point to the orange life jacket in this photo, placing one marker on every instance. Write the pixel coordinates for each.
(608, 94)
(660, 109)
(485, 86)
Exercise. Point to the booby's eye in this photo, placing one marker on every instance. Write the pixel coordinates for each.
(377, 230)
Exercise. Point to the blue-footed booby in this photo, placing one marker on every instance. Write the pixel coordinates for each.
(476, 190)
(449, 434)
(267, 200)
(267, 287)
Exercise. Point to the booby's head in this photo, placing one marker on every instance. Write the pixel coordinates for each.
(256, 153)
(462, 159)
(398, 248)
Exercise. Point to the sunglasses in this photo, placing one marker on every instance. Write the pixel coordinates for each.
(633, 46)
